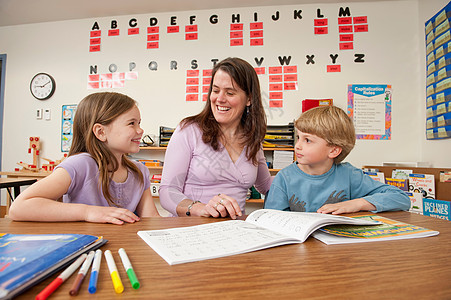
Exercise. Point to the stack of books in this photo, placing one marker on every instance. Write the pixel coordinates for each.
(282, 159)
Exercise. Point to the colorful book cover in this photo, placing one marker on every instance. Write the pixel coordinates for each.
(401, 174)
(388, 230)
(378, 176)
(437, 208)
(402, 184)
(416, 202)
(26, 259)
(422, 183)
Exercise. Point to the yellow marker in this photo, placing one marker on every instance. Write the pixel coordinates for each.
(117, 283)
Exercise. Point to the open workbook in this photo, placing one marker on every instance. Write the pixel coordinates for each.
(263, 228)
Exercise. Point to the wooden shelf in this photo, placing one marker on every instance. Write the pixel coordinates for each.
(155, 168)
(255, 200)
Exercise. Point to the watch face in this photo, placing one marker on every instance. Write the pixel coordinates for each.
(42, 86)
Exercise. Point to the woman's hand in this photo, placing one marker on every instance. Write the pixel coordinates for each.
(113, 215)
(222, 205)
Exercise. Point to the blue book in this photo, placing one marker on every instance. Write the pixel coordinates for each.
(26, 259)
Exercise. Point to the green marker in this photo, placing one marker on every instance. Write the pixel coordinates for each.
(129, 269)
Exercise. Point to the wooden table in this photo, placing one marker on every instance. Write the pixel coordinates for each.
(26, 174)
(403, 269)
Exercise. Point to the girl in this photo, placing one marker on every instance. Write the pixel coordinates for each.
(97, 181)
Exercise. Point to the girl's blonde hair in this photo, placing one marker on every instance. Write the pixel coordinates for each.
(102, 108)
(331, 124)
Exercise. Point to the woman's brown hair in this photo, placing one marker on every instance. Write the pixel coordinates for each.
(253, 120)
(102, 108)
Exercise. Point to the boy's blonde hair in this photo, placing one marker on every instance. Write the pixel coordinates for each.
(331, 124)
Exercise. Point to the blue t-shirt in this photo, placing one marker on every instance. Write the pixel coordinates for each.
(294, 190)
(85, 189)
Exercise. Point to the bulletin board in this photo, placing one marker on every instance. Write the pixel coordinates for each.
(438, 80)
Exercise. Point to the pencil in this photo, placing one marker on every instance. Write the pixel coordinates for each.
(81, 274)
(61, 278)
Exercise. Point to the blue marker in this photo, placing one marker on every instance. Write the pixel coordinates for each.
(95, 272)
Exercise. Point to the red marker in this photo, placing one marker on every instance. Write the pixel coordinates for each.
(61, 278)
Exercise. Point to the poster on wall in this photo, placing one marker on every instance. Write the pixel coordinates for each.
(67, 122)
(369, 106)
(438, 75)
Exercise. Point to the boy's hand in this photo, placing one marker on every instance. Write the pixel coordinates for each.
(113, 215)
(344, 207)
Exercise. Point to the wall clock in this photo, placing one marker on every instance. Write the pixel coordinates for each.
(42, 86)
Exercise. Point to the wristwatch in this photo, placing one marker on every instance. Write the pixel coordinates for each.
(188, 213)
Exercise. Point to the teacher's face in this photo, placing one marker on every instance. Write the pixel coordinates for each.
(228, 100)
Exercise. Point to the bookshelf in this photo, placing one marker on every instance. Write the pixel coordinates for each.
(442, 189)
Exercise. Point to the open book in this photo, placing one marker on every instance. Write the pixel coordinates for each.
(262, 229)
(387, 230)
(26, 259)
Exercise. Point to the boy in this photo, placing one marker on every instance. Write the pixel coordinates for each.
(319, 182)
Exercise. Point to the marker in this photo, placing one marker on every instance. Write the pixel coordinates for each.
(61, 278)
(117, 283)
(81, 274)
(95, 272)
(129, 269)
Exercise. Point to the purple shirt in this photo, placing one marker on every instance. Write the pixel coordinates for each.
(84, 187)
(193, 170)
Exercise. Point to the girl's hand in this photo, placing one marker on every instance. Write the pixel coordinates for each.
(223, 206)
(113, 215)
(344, 207)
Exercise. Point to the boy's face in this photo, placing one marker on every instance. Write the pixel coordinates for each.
(313, 153)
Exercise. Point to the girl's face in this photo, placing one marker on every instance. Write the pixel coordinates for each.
(123, 135)
(228, 100)
(313, 152)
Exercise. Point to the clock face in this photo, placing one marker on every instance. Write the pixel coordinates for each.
(42, 86)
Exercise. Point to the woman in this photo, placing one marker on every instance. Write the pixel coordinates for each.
(213, 158)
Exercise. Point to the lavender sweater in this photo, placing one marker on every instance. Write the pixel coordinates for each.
(84, 187)
(193, 170)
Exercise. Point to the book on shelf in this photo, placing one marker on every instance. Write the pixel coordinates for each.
(422, 183)
(402, 184)
(26, 259)
(416, 202)
(378, 176)
(387, 230)
(437, 208)
(263, 228)
(282, 159)
(401, 173)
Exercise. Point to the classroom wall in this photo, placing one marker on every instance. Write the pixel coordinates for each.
(393, 51)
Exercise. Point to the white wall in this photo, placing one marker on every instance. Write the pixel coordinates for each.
(393, 48)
